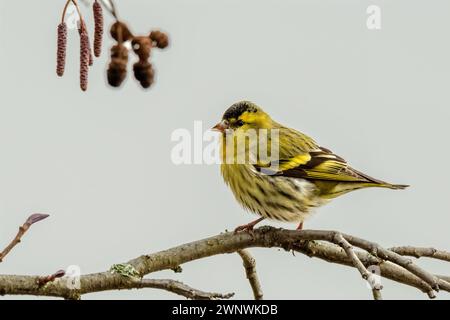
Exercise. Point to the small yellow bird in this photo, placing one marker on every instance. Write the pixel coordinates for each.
(287, 187)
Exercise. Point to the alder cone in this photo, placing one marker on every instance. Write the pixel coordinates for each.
(126, 33)
(160, 38)
(142, 46)
(143, 72)
(119, 51)
(117, 72)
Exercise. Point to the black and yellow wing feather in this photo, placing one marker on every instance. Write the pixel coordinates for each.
(330, 172)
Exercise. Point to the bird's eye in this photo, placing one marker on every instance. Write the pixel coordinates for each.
(239, 123)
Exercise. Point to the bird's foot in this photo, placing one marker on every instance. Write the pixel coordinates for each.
(248, 227)
(300, 226)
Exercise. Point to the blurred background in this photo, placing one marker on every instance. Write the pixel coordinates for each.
(100, 162)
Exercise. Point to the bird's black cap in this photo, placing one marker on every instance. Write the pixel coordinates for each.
(239, 108)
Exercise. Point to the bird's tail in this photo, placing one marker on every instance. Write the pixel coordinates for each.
(393, 186)
(343, 188)
(379, 183)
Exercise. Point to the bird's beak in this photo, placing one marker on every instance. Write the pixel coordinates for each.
(221, 126)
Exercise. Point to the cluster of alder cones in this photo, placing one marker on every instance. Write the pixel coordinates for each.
(117, 70)
(142, 47)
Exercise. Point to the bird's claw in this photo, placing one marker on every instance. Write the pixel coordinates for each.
(248, 227)
(245, 227)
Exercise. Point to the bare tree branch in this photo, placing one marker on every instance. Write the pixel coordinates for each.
(445, 278)
(386, 254)
(366, 275)
(419, 252)
(314, 243)
(57, 287)
(22, 230)
(180, 289)
(250, 271)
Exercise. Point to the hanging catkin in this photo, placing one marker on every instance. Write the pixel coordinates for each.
(98, 35)
(84, 29)
(61, 50)
(84, 58)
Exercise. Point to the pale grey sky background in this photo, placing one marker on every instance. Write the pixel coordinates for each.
(99, 162)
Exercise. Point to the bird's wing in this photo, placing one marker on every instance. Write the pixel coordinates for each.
(320, 164)
(301, 157)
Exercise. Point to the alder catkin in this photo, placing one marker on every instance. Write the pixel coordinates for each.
(84, 59)
(98, 35)
(83, 29)
(61, 49)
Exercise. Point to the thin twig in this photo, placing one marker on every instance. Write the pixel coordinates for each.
(366, 275)
(110, 7)
(250, 271)
(445, 278)
(179, 288)
(22, 230)
(380, 252)
(419, 252)
(74, 2)
(65, 10)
